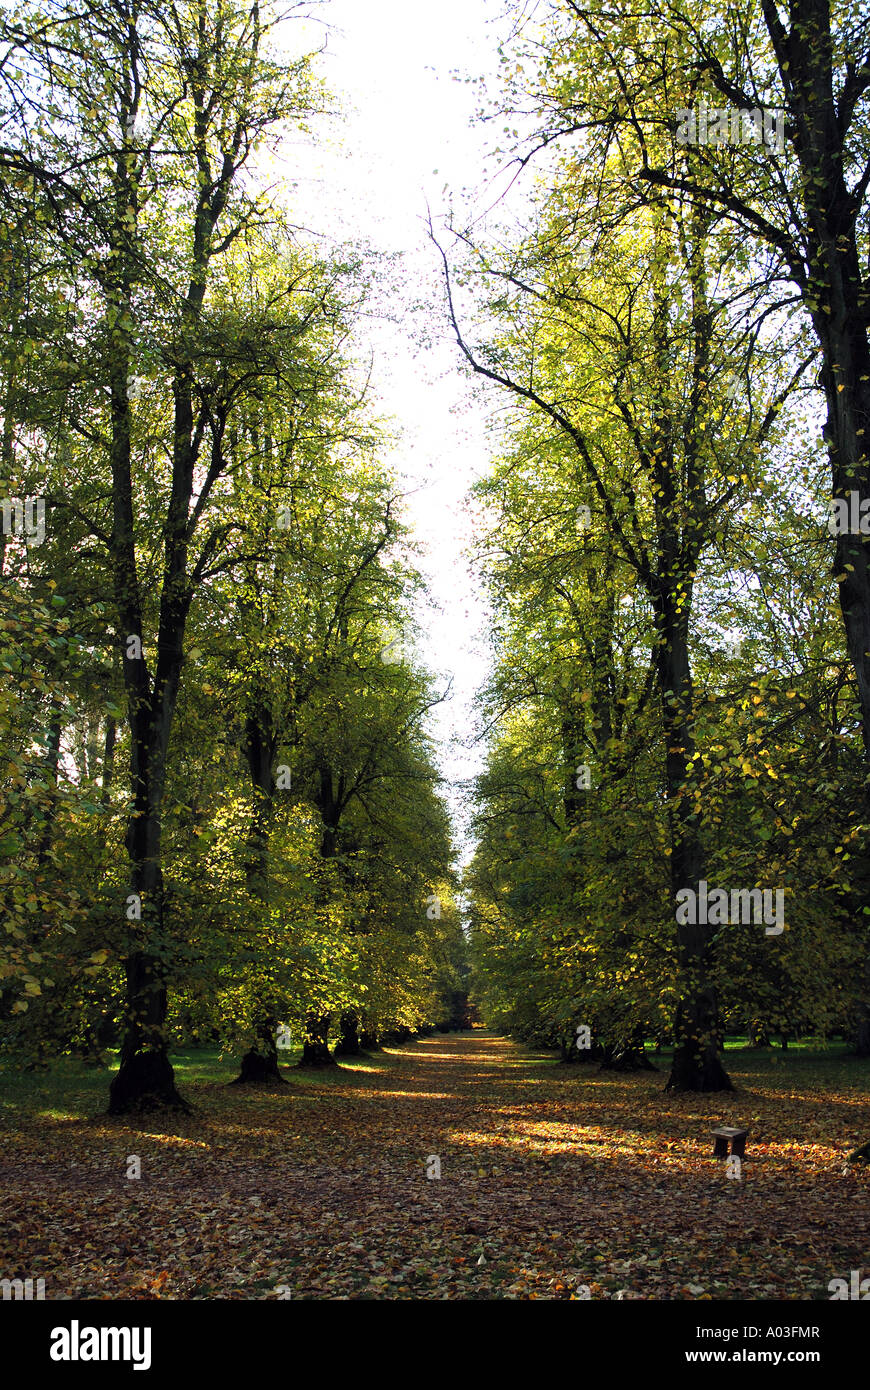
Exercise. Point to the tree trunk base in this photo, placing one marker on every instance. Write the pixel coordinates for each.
(861, 1046)
(691, 1072)
(861, 1155)
(259, 1070)
(145, 1082)
(316, 1054)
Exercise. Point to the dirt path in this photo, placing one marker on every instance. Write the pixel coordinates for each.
(563, 1179)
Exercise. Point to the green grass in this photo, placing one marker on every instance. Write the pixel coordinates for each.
(70, 1089)
(828, 1066)
(808, 1044)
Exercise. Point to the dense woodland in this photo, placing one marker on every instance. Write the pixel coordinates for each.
(220, 804)
(222, 813)
(679, 688)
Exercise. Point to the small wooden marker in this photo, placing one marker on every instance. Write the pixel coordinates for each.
(736, 1137)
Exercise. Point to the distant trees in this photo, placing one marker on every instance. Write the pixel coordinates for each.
(659, 467)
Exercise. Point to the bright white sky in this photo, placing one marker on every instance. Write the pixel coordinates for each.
(408, 140)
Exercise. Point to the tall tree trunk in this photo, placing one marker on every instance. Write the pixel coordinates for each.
(145, 1079)
(845, 377)
(696, 1065)
(681, 519)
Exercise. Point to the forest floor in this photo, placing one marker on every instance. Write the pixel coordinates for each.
(559, 1176)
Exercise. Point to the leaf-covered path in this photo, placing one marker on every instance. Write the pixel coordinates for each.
(559, 1177)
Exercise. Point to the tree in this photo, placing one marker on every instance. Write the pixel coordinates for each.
(783, 167)
(643, 432)
(166, 105)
